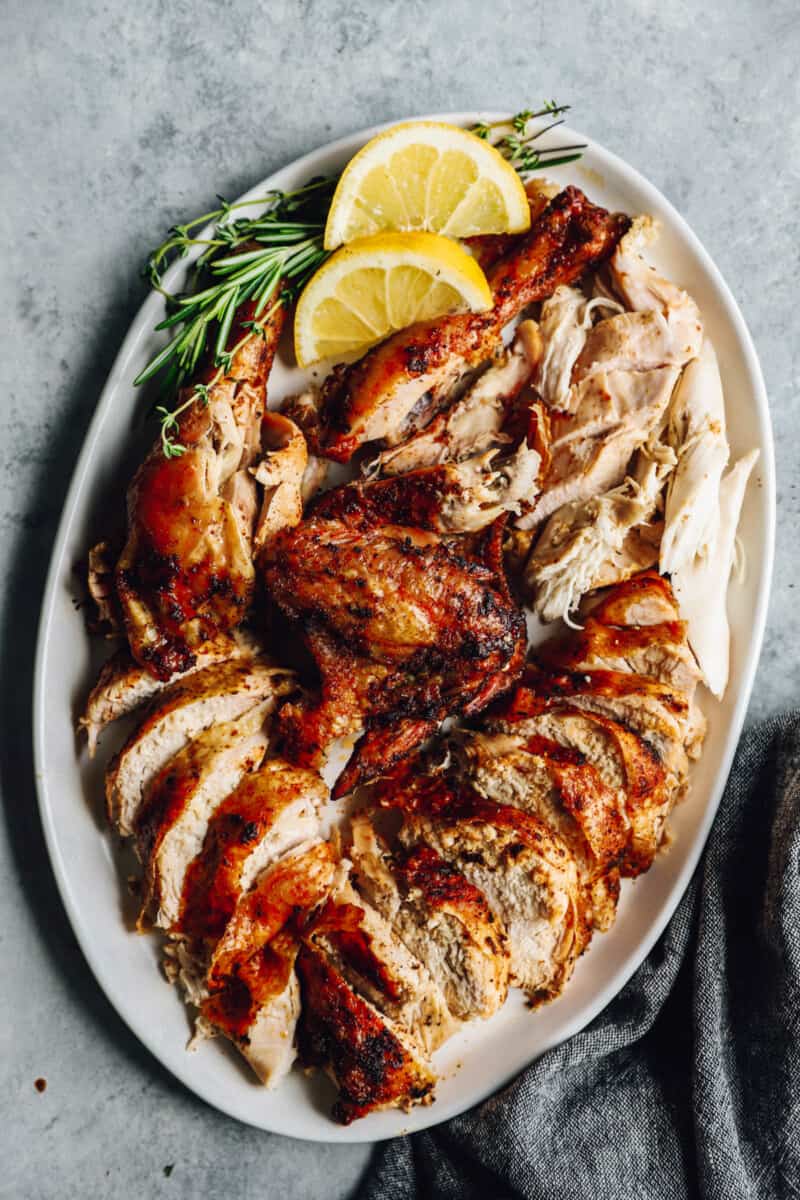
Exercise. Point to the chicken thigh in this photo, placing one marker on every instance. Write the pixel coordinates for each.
(407, 625)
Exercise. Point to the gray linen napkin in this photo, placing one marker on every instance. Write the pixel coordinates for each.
(688, 1083)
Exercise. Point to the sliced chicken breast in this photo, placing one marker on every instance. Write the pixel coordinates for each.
(123, 685)
(626, 762)
(172, 822)
(441, 917)
(660, 651)
(560, 786)
(380, 967)
(523, 868)
(271, 811)
(252, 994)
(374, 1063)
(654, 710)
(215, 694)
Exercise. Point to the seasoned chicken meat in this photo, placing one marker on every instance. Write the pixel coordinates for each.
(395, 389)
(272, 810)
(186, 572)
(407, 626)
(621, 691)
(441, 917)
(374, 1063)
(123, 685)
(172, 823)
(380, 967)
(561, 787)
(475, 421)
(587, 544)
(251, 992)
(524, 869)
(184, 709)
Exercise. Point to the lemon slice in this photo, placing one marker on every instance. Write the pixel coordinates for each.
(379, 284)
(426, 175)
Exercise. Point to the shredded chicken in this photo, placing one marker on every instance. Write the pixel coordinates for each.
(696, 432)
(596, 542)
(701, 584)
(564, 325)
(281, 472)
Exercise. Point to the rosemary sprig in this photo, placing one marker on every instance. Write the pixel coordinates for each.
(514, 139)
(265, 259)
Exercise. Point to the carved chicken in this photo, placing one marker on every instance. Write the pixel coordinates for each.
(186, 572)
(397, 388)
(407, 623)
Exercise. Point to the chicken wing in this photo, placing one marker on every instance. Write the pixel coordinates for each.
(399, 386)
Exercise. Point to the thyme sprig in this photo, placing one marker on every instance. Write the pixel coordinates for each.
(515, 139)
(265, 259)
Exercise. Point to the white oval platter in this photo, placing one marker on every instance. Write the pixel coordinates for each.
(86, 865)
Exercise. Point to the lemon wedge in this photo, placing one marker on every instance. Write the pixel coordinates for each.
(426, 175)
(376, 285)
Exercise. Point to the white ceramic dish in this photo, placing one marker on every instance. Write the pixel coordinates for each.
(87, 868)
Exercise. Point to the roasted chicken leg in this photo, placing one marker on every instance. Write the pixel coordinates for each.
(186, 572)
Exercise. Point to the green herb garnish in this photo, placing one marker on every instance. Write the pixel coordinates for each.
(515, 140)
(242, 259)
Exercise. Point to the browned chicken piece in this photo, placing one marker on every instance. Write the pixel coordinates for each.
(381, 968)
(659, 651)
(251, 993)
(475, 422)
(395, 389)
(522, 866)
(172, 822)
(443, 919)
(630, 676)
(624, 760)
(204, 698)
(407, 626)
(123, 685)
(559, 785)
(374, 1063)
(647, 599)
(271, 810)
(186, 572)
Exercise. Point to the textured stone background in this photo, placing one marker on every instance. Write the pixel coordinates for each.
(120, 118)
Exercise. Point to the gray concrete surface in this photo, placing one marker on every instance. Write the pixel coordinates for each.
(120, 118)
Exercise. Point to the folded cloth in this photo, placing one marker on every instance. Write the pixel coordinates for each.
(688, 1083)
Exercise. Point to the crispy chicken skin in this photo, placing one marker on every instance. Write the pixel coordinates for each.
(621, 691)
(251, 992)
(405, 379)
(186, 572)
(269, 810)
(373, 1062)
(406, 626)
